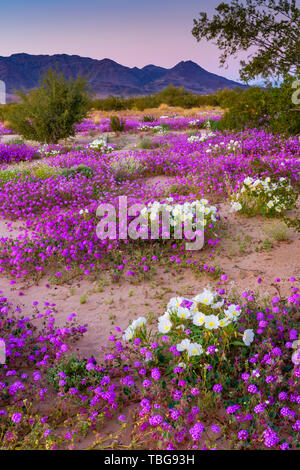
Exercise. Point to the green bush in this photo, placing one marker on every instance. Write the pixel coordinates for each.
(42, 172)
(126, 167)
(171, 95)
(117, 124)
(74, 375)
(75, 170)
(5, 109)
(148, 118)
(49, 113)
(269, 107)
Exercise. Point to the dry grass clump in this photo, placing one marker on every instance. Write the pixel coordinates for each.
(277, 230)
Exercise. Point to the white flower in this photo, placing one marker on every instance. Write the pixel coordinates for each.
(218, 304)
(183, 345)
(183, 313)
(224, 322)
(211, 322)
(199, 318)
(164, 325)
(248, 181)
(248, 337)
(130, 330)
(128, 333)
(175, 302)
(138, 322)
(194, 349)
(235, 207)
(182, 365)
(206, 297)
(233, 311)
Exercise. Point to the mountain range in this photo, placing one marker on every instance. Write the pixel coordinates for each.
(107, 77)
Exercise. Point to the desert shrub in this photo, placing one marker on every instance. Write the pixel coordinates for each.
(117, 124)
(177, 188)
(164, 127)
(50, 112)
(214, 124)
(277, 231)
(171, 96)
(264, 197)
(16, 141)
(5, 110)
(72, 372)
(258, 107)
(125, 167)
(148, 118)
(145, 144)
(70, 173)
(41, 172)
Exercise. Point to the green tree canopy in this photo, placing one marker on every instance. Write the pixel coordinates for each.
(270, 28)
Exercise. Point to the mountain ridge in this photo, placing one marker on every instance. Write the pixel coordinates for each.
(108, 77)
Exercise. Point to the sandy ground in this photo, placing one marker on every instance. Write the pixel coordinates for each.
(104, 305)
(249, 248)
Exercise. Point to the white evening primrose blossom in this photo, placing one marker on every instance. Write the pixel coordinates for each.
(199, 319)
(139, 322)
(224, 322)
(235, 207)
(248, 337)
(233, 311)
(128, 333)
(183, 345)
(194, 349)
(206, 297)
(211, 322)
(130, 330)
(175, 302)
(164, 325)
(218, 304)
(183, 313)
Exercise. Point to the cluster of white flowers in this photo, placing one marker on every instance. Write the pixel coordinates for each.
(179, 213)
(233, 145)
(222, 147)
(207, 310)
(48, 152)
(130, 330)
(100, 145)
(195, 122)
(200, 138)
(276, 196)
(159, 129)
(83, 211)
(193, 349)
(144, 127)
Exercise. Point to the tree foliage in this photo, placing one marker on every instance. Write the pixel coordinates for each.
(269, 108)
(50, 112)
(268, 29)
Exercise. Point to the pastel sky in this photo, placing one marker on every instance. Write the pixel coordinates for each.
(131, 32)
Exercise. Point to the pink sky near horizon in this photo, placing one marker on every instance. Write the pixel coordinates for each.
(132, 32)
